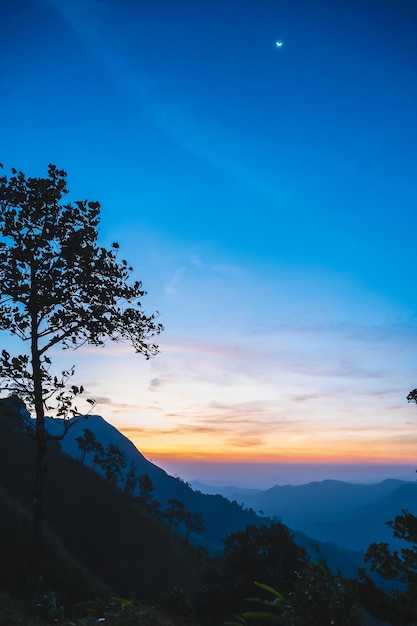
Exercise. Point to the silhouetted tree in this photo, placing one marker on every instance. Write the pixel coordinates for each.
(399, 606)
(194, 523)
(145, 497)
(266, 553)
(412, 396)
(98, 454)
(131, 480)
(113, 463)
(86, 443)
(175, 512)
(58, 287)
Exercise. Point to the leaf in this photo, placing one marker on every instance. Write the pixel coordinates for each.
(271, 590)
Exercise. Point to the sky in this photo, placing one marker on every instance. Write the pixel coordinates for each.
(266, 197)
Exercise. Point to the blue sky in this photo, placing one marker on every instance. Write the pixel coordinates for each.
(265, 195)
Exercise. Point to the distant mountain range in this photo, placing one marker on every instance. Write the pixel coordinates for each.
(349, 515)
(98, 538)
(352, 516)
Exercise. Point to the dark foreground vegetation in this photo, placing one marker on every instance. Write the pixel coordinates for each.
(107, 560)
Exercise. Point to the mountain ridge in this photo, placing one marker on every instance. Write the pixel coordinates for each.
(321, 510)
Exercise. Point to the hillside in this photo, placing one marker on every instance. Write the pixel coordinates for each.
(221, 517)
(98, 540)
(105, 536)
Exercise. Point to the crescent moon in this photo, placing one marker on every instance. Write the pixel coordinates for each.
(278, 44)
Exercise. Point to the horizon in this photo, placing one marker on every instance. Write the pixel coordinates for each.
(266, 475)
(265, 196)
(253, 475)
(263, 474)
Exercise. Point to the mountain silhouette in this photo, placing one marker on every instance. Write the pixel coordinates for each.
(221, 516)
(347, 514)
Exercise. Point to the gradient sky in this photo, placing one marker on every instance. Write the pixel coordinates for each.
(266, 197)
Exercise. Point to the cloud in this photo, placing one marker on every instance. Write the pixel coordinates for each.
(156, 383)
(247, 441)
(306, 397)
(116, 407)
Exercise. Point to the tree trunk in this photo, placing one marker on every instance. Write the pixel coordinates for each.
(40, 473)
(40, 463)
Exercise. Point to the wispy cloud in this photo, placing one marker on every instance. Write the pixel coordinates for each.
(274, 357)
(178, 117)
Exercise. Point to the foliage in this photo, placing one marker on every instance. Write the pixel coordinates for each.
(175, 512)
(131, 480)
(112, 462)
(113, 612)
(318, 597)
(58, 287)
(267, 552)
(145, 497)
(95, 537)
(398, 606)
(270, 610)
(194, 523)
(87, 443)
(412, 396)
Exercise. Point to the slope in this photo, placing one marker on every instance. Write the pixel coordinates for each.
(120, 545)
(221, 517)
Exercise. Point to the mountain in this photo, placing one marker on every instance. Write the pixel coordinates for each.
(221, 517)
(306, 509)
(318, 501)
(350, 515)
(367, 524)
(229, 492)
(95, 538)
(107, 434)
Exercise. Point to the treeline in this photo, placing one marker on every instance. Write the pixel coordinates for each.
(139, 487)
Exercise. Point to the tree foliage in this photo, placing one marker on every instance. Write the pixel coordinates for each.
(87, 443)
(131, 480)
(265, 553)
(412, 396)
(145, 497)
(175, 512)
(112, 462)
(318, 597)
(194, 523)
(58, 287)
(399, 606)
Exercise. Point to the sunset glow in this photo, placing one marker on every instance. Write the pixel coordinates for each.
(266, 199)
